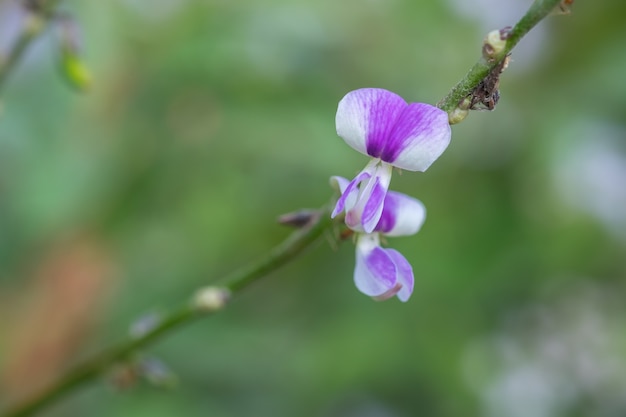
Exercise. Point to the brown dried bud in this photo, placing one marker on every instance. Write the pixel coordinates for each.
(298, 219)
(564, 7)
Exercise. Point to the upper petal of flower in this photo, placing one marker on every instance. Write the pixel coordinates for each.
(366, 117)
(402, 215)
(420, 135)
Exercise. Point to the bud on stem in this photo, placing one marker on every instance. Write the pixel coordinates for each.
(72, 66)
(211, 299)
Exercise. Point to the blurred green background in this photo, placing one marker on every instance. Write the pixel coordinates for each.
(208, 119)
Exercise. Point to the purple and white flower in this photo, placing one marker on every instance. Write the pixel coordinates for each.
(381, 272)
(380, 124)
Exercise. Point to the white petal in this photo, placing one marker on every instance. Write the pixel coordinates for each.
(402, 215)
(339, 183)
(366, 117)
(420, 136)
(375, 272)
(405, 274)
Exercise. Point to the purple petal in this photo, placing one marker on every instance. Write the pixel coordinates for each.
(374, 206)
(402, 215)
(366, 117)
(349, 194)
(375, 271)
(420, 135)
(405, 274)
(363, 197)
(366, 213)
(381, 273)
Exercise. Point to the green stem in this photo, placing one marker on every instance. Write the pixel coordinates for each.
(288, 250)
(101, 363)
(537, 11)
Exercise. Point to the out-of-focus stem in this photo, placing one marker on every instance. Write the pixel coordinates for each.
(38, 15)
(297, 243)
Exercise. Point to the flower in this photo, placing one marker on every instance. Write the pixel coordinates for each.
(382, 273)
(380, 124)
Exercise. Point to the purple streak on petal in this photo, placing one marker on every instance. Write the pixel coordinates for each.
(388, 218)
(383, 112)
(381, 266)
(366, 117)
(350, 192)
(405, 274)
(373, 207)
(375, 272)
(419, 137)
(402, 215)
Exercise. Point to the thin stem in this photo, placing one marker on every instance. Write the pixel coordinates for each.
(289, 249)
(537, 11)
(101, 363)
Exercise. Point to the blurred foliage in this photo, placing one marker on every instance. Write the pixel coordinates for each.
(208, 119)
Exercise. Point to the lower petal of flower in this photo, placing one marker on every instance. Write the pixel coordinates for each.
(381, 273)
(375, 272)
(405, 274)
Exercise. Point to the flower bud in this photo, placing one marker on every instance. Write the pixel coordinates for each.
(156, 372)
(144, 324)
(564, 7)
(298, 219)
(494, 43)
(211, 299)
(72, 65)
(76, 72)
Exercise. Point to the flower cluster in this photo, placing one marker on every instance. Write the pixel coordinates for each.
(380, 124)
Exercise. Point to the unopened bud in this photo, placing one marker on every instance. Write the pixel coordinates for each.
(457, 115)
(564, 7)
(460, 112)
(494, 43)
(72, 65)
(157, 373)
(211, 299)
(144, 324)
(298, 219)
(76, 72)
